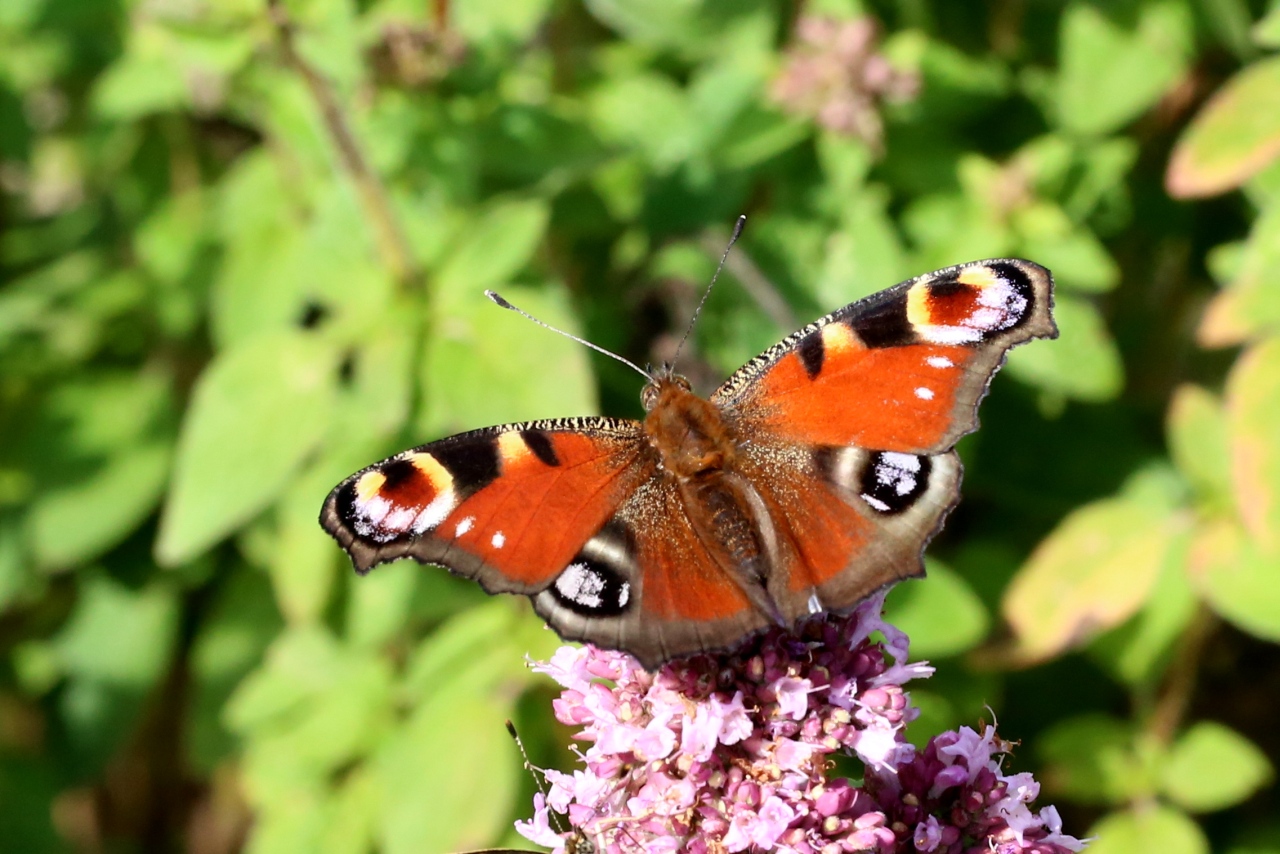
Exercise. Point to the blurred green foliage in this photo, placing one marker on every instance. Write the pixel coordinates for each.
(243, 246)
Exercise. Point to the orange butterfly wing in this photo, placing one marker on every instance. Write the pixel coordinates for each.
(902, 370)
(840, 470)
(865, 406)
(508, 505)
(571, 513)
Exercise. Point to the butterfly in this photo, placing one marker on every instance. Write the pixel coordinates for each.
(813, 477)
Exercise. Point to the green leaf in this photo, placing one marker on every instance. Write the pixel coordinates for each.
(1078, 260)
(865, 255)
(1148, 829)
(166, 242)
(487, 366)
(380, 603)
(303, 559)
(81, 520)
(1253, 419)
(1138, 650)
(943, 615)
(1250, 304)
(492, 251)
(313, 707)
(1092, 759)
(1266, 32)
(1083, 363)
(119, 636)
(1212, 767)
(1095, 570)
(1239, 583)
(454, 754)
(234, 634)
(1198, 442)
(138, 85)
(485, 645)
(1115, 66)
(481, 21)
(648, 112)
(256, 413)
(661, 23)
(352, 824)
(100, 463)
(1232, 138)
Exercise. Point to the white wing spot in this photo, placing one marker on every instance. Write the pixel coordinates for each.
(581, 586)
(924, 393)
(434, 513)
(875, 502)
(815, 604)
(939, 362)
(464, 525)
(499, 540)
(898, 471)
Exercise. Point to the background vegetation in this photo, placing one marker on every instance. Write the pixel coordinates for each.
(243, 248)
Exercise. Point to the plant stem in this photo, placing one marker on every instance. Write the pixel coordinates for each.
(392, 244)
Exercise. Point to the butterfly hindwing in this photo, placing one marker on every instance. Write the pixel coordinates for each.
(902, 370)
(850, 520)
(648, 584)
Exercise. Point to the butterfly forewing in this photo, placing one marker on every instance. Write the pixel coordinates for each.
(509, 506)
(902, 370)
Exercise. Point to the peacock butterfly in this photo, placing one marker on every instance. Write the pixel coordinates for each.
(812, 477)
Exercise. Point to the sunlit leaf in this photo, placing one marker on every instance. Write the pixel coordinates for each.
(487, 20)
(454, 753)
(1237, 581)
(1236, 134)
(1076, 257)
(1093, 571)
(1093, 759)
(1148, 829)
(864, 255)
(647, 112)
(1138, 650)
(120, 636)
(485, 645)
(492, 250)
(943, 617)
(486, 366)
(1253, 419)
(1198, 440)
(81, 520)
(1249, 304)
(313, 707)
(1115, 66)
(665, 23)
(1212, 767)
(380, 602)
(257, 412)
(302, 558)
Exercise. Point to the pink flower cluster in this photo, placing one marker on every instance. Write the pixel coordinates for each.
(833, 73)
(733, 752)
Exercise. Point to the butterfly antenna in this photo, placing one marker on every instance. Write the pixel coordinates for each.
(502, 301)
(737, 232)
(537, 779)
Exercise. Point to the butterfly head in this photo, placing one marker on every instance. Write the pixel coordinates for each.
(687, 431)
(664, 386)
